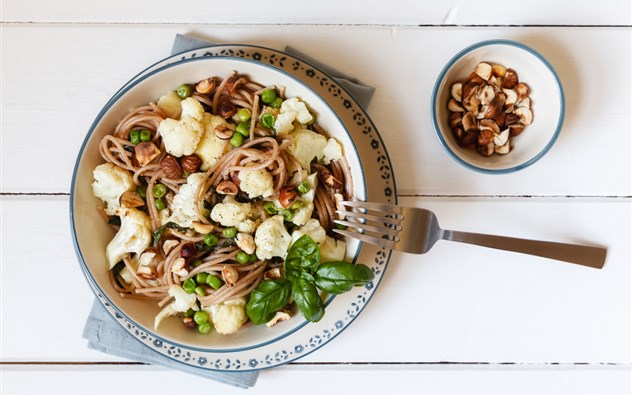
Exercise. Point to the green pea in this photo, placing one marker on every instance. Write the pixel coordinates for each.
(277, 103)
(189, 285)
(268, 96)
(242, 257)
(297, 205)
(145, 135)
(237, 139)
(243, 114)
(303, 187)
(213, 281)
(269, 208)
(253, 257)
(200, 291)
(197, 262)
(134, 136)
(229, 232)
(159, 190)
(200, 317)
(200, 278)
(267, 120)
(243, 129)
(160, 204)
(205, 328)
(189, 313)
(287, 214)
(184, 91)
(142, 190)
(210, 239)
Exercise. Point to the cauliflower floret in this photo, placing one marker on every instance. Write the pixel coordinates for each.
(230, 212)
(184, 202)
(256, 183)
(303, 214)
(307, 145)
(284, 124)
(247, 226)
(181, 137)
(332, 250)
(110, 183)
(291, 110)
(294, 105)
(313, 229)
(170, 104)
(332, 151)
(272, 239)
(183, 302)
(134, 236)
(211, 147)
(228, 316)
(192, 108)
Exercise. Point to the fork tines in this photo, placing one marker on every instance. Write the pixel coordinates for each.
(373, 223)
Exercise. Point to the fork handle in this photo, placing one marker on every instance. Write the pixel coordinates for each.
(579, 254)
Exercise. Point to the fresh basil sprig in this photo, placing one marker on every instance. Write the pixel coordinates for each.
(302, 257)
(267, 298)
(304, 275)
(308, 300)
(340, 277)
(160, 231)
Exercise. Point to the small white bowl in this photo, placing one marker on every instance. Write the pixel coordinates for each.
(547, 98)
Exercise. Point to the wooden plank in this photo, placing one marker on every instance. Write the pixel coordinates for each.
(474, 380)
(325, 12)
(457, 303)
(54, 87)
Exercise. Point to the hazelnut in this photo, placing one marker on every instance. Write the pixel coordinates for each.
(188, 322)
(170, 166)
(486, 150)
(469, 122)
(230, 275)
(227, 188)
(131, 199)
(287, 195)
(485, 137)
(483, 70)
(511, 79)
(455, 119)
(223, 132)
(522, 90)
(325, 176)
(272, 274)
(145, 152)
(206, 86)
(187, 251)
(498, 70)
(456, 91)
(281, 315)
(202, 228)
(469, 138)
(515, 129)
(454, 106)
(226, 109)
(191, 163)
(526, 117)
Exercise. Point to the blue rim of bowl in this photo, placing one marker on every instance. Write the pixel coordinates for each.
(435, 94)
(130, 84)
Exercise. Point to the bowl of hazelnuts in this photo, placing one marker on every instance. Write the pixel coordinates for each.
(497, 107)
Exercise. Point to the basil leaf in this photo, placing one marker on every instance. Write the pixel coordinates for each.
(267, 298)
(308, 300)
(157, 235)
(302, 256)
(339, 277)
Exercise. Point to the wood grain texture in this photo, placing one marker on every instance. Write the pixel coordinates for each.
(456, 303)
(399, 12)
(76, 69)
(439, 380)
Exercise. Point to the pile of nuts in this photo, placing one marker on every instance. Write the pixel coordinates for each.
(489, 108)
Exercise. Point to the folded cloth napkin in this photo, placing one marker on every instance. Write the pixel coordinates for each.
(106, 335)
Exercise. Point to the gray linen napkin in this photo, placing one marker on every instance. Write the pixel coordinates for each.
(106, 335)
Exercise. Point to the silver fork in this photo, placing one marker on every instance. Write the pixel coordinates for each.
(416, 230)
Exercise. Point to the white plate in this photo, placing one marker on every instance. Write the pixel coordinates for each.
(256, 347)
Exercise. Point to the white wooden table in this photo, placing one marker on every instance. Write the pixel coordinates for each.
(483, 321)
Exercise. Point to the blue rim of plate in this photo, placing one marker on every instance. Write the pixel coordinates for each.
(101, 295)
(435, 94)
